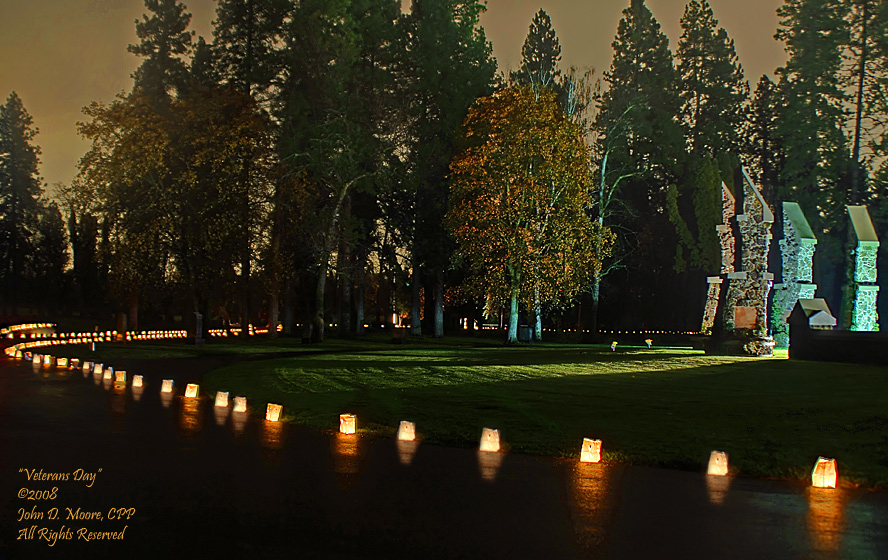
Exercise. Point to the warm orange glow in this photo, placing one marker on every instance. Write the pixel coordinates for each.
(137, 381)
(74, 362)
(221, 399)
(273, 412)
(190, 418)
(347, 423)
(240, 404)
(406, 450)
(718, 463)
(191, 391)
(62, 362)
(97, 368)
(592, 499)
(825, 473)
(221, 414)
(108, 374)
(273, 435)
(489, 464)
(826, 512)
(120, 376)
(717, 488)
(591, 451)
(346, 457)
(166, 386)
(490, 440)
(406, 431)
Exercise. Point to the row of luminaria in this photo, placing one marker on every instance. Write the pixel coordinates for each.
(824, 475)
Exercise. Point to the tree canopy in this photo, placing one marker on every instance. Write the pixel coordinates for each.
(520, 200)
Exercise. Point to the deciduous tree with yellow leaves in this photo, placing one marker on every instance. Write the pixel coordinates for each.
(519, 190)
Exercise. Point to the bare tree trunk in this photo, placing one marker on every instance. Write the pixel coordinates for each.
(288, 307)
(273, 306)
(359, 310)
(537, 314)
(590, 313)
(275, 290)
(245, 287)
(320, 292)
(318, 321)
(133, 315)
(512, 336)
(439, 304)
(858, 116)
(344, 318)
(274, 265)
(416, 309)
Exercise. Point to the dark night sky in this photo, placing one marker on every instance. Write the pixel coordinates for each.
(60, 55)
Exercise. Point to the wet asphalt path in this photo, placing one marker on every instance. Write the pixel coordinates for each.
(193, 482)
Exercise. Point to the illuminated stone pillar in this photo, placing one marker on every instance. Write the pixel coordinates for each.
(711, 309)
(797, 251)
(746, 302)
(726, 241)
(864, 317)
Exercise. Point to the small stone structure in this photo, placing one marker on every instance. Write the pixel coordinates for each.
(812, 340)
(817, 312)
(864, 316)
(797, 250)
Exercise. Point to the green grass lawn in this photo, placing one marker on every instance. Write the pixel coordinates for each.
(665, 407)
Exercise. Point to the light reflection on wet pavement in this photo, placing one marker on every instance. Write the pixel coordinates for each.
(205, 480)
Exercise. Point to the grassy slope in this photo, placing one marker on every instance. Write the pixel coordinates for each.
(666, 407)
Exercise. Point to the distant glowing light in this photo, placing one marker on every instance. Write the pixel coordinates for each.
(166, 386)
(221, 399)
(191, 391)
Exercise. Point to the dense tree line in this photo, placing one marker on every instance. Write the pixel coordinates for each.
(33, 240)
(340, 162)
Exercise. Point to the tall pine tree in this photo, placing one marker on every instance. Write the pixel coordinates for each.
(540, 55)
(20, 193)
(449, 64)
(712, 89)
(164, 44)
(641, 148)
